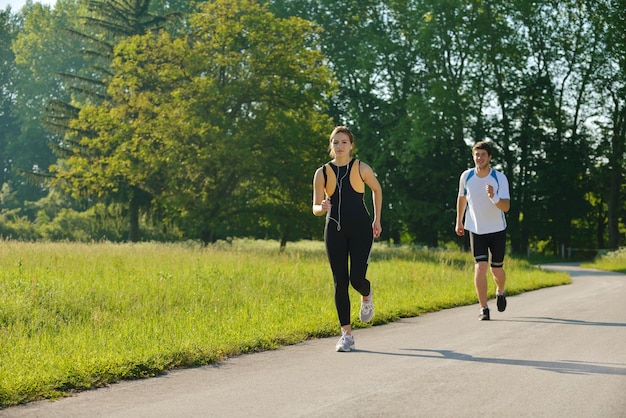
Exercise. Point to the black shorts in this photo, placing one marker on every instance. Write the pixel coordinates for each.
(494, 243)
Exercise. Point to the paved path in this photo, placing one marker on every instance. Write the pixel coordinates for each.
(556, 352)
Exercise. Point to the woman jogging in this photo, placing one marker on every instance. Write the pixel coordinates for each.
(338, 192)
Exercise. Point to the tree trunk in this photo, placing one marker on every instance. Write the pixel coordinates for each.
(618, 146)
(133, 209)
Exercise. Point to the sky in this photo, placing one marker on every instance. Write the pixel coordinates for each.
(17, 4)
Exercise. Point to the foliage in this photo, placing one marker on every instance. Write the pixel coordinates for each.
(227, 111)
(422, 79)
(13, 225)
(417, 80)
(51, 219)
(80, 316)
(23, 142)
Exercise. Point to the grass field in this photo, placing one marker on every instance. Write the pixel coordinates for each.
(612, 261)
(80, 316)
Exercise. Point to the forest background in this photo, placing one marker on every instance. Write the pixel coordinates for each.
(137, 120)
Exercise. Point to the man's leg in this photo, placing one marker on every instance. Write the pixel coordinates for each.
(480, 282)
(480, 251)
(498, 249)
(499, 277)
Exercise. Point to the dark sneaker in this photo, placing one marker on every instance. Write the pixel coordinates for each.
(484, 314)
(501, 302)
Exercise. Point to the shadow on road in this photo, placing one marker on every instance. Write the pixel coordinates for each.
(564, 366)
(548, 320)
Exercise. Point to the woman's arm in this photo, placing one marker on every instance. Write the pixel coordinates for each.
(377, 196)
(320, 204)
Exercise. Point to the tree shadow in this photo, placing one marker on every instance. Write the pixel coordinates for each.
(550, 320)
(563, 366)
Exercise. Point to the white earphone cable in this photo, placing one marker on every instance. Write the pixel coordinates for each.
(339, 186)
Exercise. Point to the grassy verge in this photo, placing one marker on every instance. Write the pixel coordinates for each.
(79, 316)
(612, 261)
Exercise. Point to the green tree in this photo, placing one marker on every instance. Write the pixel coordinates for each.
(442, 111)
(373, 62)
(106, 23)
(610, 22)
(566, 52)
(431, 77)
(8, 126)
(39, 54)
(218, 126)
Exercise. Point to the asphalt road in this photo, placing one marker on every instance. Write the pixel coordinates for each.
(556, 352)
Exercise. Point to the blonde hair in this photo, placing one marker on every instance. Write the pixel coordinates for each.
(339, 129)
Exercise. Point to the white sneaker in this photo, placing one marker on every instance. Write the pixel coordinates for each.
(345, 343)
(367, 309)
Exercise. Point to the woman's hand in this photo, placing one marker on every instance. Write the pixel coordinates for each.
(377, 229)
(325, 205)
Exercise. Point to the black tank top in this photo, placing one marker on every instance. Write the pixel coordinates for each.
(347, 203)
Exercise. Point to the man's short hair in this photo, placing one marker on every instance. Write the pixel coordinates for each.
(482, 145)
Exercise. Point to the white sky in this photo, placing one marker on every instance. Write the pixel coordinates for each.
(17, 4)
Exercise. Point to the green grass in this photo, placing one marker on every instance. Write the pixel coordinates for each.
(80, 316)
(611, 261)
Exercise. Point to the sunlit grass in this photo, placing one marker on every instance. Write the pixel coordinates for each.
(78, 316)
(611, 261)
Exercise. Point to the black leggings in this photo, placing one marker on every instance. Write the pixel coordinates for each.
(354, 241)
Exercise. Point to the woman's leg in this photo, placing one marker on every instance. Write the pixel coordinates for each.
(360, 248)
(337, 251)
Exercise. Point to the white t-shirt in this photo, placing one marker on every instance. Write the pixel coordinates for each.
(481, 215)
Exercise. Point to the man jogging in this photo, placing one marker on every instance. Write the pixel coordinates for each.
(483, 200)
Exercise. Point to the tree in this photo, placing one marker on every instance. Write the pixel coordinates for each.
(217, 126)
(40, 53)
(8, 125)
(106, 23)
(441, 111)
(611, 24)
(430, 77)
(568, 52)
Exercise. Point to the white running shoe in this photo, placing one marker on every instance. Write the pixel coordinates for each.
(367, 309)
(345, 343)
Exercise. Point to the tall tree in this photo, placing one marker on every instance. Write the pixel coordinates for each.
(372, 73)
(8, 126)
(441, 110)
(41, 52)
(567, 52)
(610, 22)
(218, 126)
(431, 77)
(106, 23)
